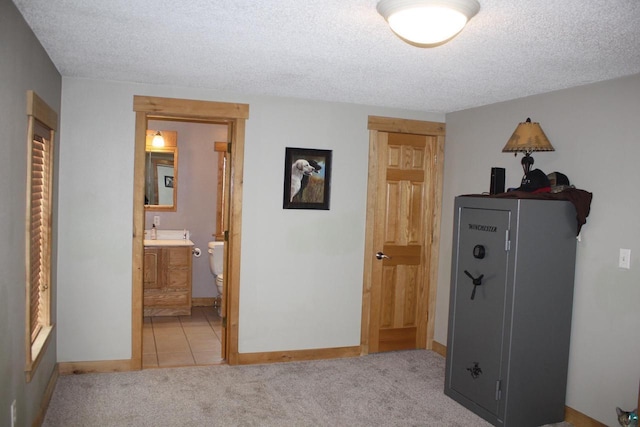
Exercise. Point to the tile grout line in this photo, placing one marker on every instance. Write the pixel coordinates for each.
(212, 328)
(193, 357)
(155, 343)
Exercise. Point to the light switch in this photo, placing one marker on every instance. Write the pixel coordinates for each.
(625, 258)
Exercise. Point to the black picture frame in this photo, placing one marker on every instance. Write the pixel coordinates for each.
(168, 181)
(307, 178)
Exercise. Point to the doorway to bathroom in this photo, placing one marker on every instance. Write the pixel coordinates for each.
(159, 112)
(182, 323)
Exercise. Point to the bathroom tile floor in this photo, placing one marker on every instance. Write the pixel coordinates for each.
(169, 341)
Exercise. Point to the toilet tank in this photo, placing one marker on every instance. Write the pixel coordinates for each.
(216, 257)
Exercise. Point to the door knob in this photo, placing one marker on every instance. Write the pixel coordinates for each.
(381, 255)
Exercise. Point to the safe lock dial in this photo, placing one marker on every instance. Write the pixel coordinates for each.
(479, 252)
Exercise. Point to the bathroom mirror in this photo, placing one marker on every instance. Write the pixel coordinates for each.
(161, 173)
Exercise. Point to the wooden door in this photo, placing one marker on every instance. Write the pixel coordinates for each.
(225, 223)
(401, 249)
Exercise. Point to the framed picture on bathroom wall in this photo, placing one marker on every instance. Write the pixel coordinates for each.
(307, 178)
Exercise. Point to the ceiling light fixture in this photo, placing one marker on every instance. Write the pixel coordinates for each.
(158, 140)
(527, 138)
(427, 22)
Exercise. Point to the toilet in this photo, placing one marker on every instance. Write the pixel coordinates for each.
(216, 263)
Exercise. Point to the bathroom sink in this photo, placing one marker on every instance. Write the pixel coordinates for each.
(168, 238)
(168, 242)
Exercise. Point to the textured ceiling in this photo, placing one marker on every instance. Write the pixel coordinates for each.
(340, 50)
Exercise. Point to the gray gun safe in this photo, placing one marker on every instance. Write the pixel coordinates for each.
(510, 308)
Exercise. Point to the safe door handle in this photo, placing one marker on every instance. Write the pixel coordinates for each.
(477, 281)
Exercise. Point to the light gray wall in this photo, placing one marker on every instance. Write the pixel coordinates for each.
(197, 194)
(24, 65)
(301, 270)
(301, 274)
(594, 131)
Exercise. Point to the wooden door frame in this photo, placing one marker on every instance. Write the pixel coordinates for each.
(433, 203)
(235, 115)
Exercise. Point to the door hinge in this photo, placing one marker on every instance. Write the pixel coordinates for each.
(507, 241)
(226, 235)
(228, 147)
(224, 322)
(498, 389)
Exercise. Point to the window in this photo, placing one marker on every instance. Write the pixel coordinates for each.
(42, 122)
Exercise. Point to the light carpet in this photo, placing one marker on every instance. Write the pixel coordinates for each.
(403, 388)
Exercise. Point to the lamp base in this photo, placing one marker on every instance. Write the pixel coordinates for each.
(527, 162)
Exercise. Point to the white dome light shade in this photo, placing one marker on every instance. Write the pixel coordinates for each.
(427, 25)
(427, 22)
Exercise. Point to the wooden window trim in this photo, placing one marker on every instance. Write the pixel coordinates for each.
(42, 119)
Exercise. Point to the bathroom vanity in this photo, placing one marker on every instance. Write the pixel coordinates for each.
(167, 277)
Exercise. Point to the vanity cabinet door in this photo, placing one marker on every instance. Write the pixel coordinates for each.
(151, 261)
(167, 281)
(177, 264)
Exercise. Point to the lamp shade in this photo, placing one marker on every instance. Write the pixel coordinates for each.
(158, 140)
(427, 22)
(527, 138)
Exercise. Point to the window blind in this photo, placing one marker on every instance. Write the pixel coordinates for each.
(39, 239)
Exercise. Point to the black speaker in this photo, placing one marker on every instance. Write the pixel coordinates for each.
(497, 181)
